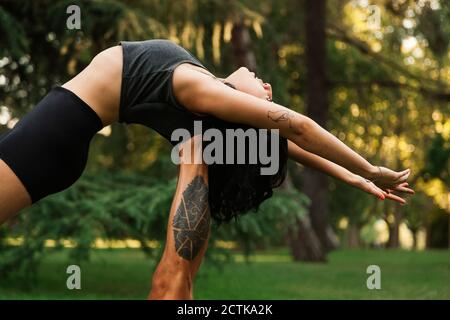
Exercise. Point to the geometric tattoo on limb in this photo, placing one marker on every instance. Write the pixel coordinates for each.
(191, 221)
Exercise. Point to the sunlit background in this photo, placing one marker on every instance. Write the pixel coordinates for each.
(374, 73)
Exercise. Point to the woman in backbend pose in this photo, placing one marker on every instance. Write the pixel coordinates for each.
(161, 85)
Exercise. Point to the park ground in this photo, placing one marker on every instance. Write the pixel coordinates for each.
(126, 274)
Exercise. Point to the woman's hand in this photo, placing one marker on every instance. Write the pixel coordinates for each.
(369, 187)
(388, 179)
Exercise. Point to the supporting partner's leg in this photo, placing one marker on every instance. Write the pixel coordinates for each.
(187, 236)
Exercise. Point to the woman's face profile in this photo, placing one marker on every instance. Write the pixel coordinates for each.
(246, 81)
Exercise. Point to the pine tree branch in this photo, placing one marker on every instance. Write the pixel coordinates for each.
(437, 95)
(337, 33)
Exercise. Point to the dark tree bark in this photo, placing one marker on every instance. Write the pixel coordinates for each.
(414, 236)
(394, 233)
(428, 234)
(353, 237)
(394, 228)
(304, 243)
(241, 44)
(394, 240)
(315, 184)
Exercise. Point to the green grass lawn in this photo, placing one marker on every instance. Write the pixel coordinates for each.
(126, 274)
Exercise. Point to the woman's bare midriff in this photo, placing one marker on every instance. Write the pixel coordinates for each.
(99, 84)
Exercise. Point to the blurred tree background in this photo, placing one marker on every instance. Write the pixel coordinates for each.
(374, 73)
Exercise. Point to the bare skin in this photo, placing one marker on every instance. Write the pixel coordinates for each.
(103, 75)
(188, 233)
(203, 93)
(13, 195)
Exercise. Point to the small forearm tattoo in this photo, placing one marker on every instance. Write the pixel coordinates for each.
(191, 221)
(281, 115)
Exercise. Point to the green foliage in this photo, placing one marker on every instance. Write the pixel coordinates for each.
(125, 274)
(439, 228)
(12, 35)
(347, 201)
(107, 206)
(41, 52)
(438, 159)
(270, 224)
(113, 205)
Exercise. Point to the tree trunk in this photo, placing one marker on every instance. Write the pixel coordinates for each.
(414, 236)
(353, 240)
(393, 241)
(305, 245)
(394, 228)
(316, 184)
(241, 44)
(428, 234)
(394, 232)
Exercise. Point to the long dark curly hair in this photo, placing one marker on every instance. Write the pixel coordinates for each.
(235, 189)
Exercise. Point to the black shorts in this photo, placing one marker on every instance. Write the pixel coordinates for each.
(48, 148)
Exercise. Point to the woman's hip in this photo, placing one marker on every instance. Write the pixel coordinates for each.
(47, 149)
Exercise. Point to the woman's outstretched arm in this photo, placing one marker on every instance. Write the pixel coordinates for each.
(200, 94)
(336, 171)
(318, 163)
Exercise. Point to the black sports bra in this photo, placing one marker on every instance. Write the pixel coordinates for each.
(147, 95)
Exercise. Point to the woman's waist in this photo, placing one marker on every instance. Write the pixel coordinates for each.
(99, 84)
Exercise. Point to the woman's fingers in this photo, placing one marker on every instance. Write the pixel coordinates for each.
(403, 176)
(376, 191)
(395, 198)
(370, 187)
(404, 189)
(388, 193)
